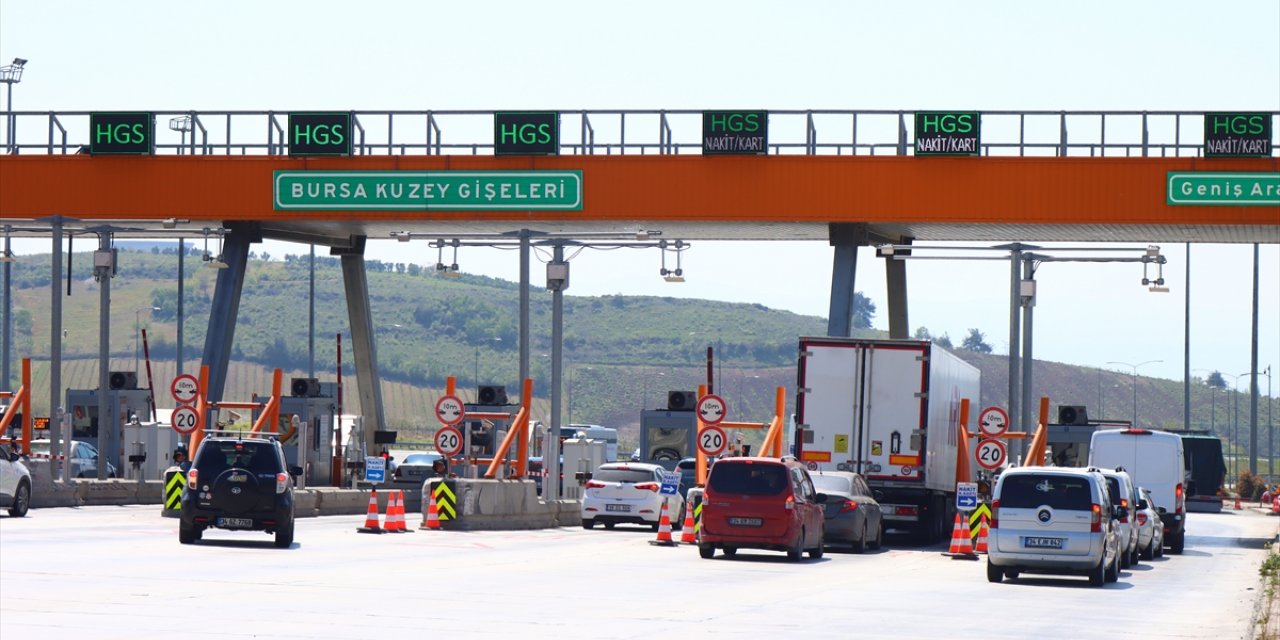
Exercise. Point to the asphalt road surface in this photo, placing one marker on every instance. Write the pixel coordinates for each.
(119, 572)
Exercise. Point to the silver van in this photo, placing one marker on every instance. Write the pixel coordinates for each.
(1053, 520)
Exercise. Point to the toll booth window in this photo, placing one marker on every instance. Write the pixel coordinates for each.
(748, 479)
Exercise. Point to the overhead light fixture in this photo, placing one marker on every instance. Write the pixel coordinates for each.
(451, 270)
(885, 250)
(170, 223)
(208, 258)
(402, 236)
(1158, 289)
(671, 275)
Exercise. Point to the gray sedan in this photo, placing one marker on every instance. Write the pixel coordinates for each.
(852, 513)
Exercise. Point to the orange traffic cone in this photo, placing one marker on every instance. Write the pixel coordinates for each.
(396, 513)
(961, 545)
(686, 532)
(1237, 503)
(664, 529)
(371, 518)
(431, 519)
(981, 546)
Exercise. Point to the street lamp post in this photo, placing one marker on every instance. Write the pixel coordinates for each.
(1135, 384)
(137, 329)
(11, 75)
(1235, 420)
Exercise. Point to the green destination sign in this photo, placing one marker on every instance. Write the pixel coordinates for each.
(428, 190)
(1207, 188)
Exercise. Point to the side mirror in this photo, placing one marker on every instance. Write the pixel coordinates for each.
(295, 470)
(1118, 512)
(1142, 505)
(878, 495)
(1160, 510)
(821, 497)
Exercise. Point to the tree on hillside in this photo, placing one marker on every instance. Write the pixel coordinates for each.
(1216, 380)
(976, 342)
(863, 310)
(942, 341)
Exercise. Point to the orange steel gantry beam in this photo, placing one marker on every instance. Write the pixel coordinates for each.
(818, 189)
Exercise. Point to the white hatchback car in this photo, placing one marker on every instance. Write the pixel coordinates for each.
(629, 492)
(1053, 520)
(15, 483)
(1125, 494)
(1150, 533)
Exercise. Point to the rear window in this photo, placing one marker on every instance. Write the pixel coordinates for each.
(832, 483)
(1059, 492)
(421, 458)
(748, 479)
(258, 457)
(624, 475)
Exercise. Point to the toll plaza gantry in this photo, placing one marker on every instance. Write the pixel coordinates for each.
(667, 178)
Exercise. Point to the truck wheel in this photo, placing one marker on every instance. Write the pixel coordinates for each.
(1175, 546)
(796, 552)
(1098, 575)
(707, 551)
(588, 523)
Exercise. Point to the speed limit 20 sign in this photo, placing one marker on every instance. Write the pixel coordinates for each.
(185, 420)
(712, 441)
(449, 441)
(991, 453)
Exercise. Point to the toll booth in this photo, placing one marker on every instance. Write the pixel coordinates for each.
(582, 457)
(668, 436)
(149, 449)
(126, 404)
(482, 437)
(315, 405)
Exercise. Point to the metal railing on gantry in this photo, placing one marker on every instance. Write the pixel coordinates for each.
(652, 132)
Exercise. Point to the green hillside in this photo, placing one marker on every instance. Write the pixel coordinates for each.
(621, 353)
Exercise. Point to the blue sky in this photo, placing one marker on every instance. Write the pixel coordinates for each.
(680, 55)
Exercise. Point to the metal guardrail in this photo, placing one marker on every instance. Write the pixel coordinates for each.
(651, 132)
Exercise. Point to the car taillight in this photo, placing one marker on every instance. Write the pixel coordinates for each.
(1142, 519)
(648, 486)
(282, 482)
(1177, 498)
(905, 511)
(995, 514)
(594, 484)
(397, 473)
(1095, 523)
(790, 504)
(191, 478)
(848, 505)
(1124, 504)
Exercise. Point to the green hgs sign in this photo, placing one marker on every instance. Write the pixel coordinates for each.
(735, 132)
(319, 134)
(1237, 135)
(428, 190)
(122, 133)
(948, 133)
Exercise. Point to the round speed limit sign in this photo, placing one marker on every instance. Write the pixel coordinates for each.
(185, 420)
(712, 441)
(991, 453)
(448, 441)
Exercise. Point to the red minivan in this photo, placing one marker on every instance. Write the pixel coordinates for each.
(761, 503)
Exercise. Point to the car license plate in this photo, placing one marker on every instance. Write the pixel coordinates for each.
(617, 507)
(235, 522)
(1042, 543)
(746, 522)
(238, 477)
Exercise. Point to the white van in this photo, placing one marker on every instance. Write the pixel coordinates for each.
(594, 432)
(1153, 460)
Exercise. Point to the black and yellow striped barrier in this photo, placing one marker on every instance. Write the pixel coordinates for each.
(174, 480)
(445, 492)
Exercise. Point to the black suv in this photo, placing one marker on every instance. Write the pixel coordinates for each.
(239, 483)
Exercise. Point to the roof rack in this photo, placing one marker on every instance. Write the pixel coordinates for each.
(244, 435)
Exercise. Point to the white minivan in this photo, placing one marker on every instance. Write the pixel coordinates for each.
(1153, 460)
